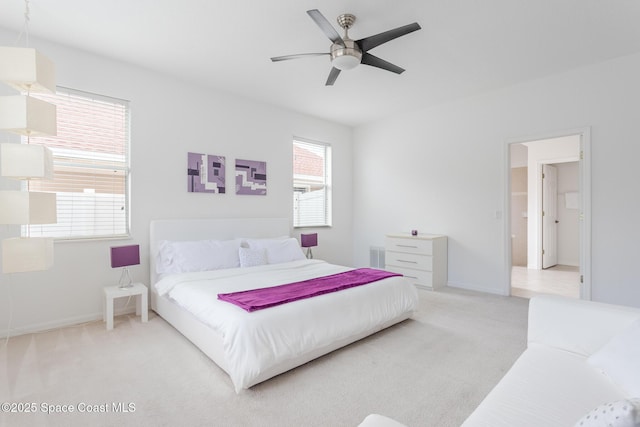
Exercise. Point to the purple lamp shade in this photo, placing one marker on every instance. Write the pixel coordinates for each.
(309, 240)
(123, 256)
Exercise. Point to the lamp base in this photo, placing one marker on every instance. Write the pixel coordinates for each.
(125, 279)
(309, 253)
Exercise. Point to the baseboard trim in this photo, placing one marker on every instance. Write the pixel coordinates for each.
(472, 287)
(61, 323)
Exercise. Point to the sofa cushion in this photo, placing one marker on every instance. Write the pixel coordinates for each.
(575, 325)
(619, 359)
(376, 420)
(545, 387)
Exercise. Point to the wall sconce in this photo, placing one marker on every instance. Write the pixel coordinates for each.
(308, 241)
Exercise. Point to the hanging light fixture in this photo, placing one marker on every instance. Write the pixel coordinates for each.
(27, 207)
(22, 254)
(28, 71)
(26, 115)
(25, 161)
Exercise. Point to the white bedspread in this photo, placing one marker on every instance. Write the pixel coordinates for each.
(254, 342)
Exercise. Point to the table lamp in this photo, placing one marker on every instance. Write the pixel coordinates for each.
(308, 241)
(124, 256)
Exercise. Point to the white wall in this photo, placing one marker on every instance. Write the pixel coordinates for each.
(169, 118)
(441, 170)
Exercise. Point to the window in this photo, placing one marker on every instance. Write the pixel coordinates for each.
(91, 167)
(311, 183)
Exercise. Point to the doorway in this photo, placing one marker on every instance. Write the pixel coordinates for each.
(547, 222)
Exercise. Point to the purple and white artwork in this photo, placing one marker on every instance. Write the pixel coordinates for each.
(251, 177)
(205, 173)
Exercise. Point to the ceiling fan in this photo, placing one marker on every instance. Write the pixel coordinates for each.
(346, 53)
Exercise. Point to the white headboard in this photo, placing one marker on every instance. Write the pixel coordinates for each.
(220, 229)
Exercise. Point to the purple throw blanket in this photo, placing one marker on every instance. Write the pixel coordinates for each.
(258, 299)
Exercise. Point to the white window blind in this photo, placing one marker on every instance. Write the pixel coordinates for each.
(91, 167)
(311, 183)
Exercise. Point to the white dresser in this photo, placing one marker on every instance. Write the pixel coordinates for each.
(421, 258)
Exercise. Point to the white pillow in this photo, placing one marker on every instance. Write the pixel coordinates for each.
(623, 413)
(278, 250)
(246, 240)
(252, 257)
(197, 255)
(619, 359)
(164, 257)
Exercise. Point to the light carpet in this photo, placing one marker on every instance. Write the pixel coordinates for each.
(431, 370)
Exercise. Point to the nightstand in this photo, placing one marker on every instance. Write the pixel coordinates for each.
(137, 290)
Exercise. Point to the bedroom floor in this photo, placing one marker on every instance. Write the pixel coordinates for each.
(422, 372)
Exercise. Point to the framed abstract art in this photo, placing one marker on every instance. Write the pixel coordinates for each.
(251, 177)
(205, 173)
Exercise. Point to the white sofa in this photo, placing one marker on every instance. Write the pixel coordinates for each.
(551, 383)
(377, 420)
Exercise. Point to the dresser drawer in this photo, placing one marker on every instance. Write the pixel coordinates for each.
(421, 259)
(423, 279)
(416, 246)
(409, 260)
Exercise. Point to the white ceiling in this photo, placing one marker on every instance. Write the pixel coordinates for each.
(465, 47)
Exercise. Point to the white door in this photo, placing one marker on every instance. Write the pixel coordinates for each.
(549, 216)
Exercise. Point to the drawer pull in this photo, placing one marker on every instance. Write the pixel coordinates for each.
(408, 262)
(411, 277)
(407, 246)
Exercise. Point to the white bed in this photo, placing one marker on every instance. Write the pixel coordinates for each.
(259, 345)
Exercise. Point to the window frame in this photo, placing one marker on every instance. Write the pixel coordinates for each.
(59, 162)
(327, 183)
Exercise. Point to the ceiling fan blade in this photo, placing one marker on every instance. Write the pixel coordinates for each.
(333, 75)
(325, 26)
(296, 56)
(374, 61)
(378, 39)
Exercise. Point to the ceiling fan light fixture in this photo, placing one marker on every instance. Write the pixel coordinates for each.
(345, 57)
(345, 62)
